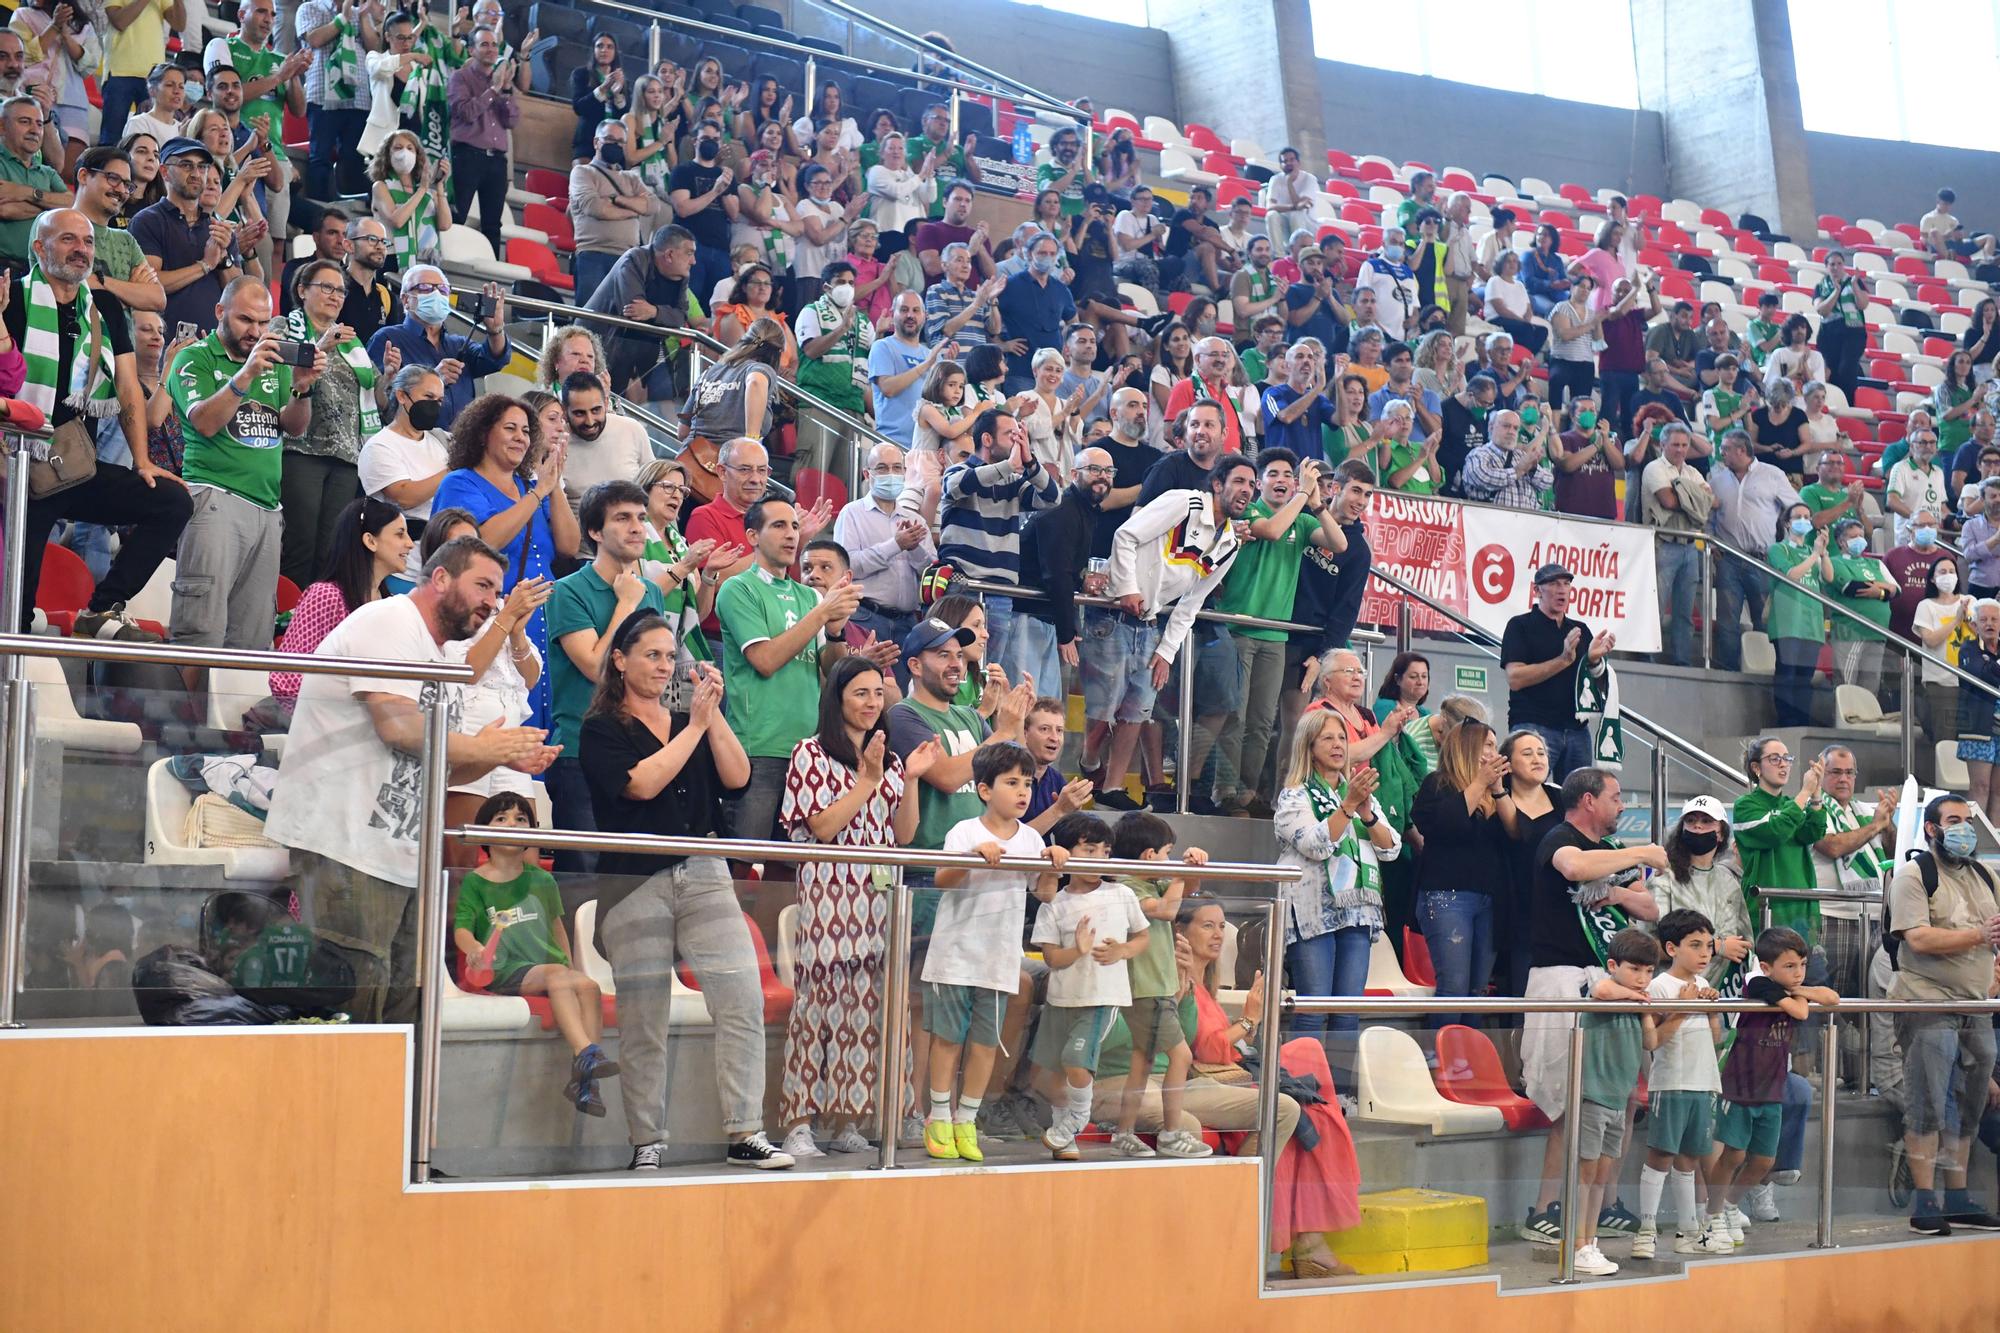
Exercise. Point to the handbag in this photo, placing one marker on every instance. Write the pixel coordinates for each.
(69, 457)
(704, 466)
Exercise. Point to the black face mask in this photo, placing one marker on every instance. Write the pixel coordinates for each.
(706, 150)
(1700, 844)
(423, 414)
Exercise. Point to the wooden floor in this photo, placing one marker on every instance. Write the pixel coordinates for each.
(230, 1180)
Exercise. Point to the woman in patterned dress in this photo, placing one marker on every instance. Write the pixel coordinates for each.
(843, 787)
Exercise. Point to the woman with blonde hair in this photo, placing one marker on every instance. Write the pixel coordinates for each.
(1329, 824)
(1461, 811)
(408, 198)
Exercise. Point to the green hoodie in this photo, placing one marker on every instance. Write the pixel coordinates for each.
(1775, 837)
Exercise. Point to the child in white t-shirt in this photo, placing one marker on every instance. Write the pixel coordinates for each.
(1682, 1086)
(1086, 933)
(974, 965)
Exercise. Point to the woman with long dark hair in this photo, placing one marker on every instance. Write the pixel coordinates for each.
(370, 543)
(844, 786)
(1546, 272)
(1459, 810)
(1537, 809)
(597, 93)
(655, 770)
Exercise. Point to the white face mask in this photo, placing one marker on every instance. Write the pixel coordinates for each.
(404, 160)
(1947, 581)
(843, 295)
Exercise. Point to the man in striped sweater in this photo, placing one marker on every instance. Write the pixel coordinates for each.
(979, 522)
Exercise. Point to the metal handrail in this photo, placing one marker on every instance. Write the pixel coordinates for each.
(240, 659)
(1815, 896)
(1367, 636)
(1573, 1110)
(919, 858)
(1017, 91)
(1656, 731)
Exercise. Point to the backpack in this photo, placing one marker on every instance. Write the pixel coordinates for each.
(1928, 871)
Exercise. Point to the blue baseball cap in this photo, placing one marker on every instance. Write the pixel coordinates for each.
(932, 633)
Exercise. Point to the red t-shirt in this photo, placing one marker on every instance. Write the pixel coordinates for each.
(721, 522)
(1182, 398)
(1908, 568)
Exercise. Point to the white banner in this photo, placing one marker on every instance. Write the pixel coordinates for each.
(1615, 587)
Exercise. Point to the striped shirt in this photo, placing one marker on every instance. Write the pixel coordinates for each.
(980, 523)
(945, 301)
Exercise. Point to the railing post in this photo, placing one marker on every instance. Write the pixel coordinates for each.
(1706, 560)
(653, 46)
(812, 78)
(1572, 1165)
(895, 1023)
(1829, 1083)
(954, 116)
(16, 695)
(1406, 626)
(1909, 714)
(1659, 793)
(1184, 780)
(13, 595)
(1268, 1037)
(431, 893)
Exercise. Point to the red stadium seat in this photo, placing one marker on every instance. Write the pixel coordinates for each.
(1417, 959)
(1232, 188)
(1376, 171)
(1576, 194)
(1555, 217)
(551, 185)
(1885, 368)
(1469, 1072)
(1715, 217)
(1201, 136)
(539, 260)
(1341, 162)
(1874, 400)
(1832, 223)
(811, 484)
(1360, 212)
(543, 218)
(1644, 206)
(1222, 164)
(288, 594)
(1774, 270)
(1678, 285)
(1909, 229)
(1856, 236)
(1339, 188)
(1458, 180)
(64, 588)
(1943, 347)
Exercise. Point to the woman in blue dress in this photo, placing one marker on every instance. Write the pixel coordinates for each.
(512, 487)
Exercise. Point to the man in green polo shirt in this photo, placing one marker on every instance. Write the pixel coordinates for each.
(237, 400)
(1284, 518)
(585, 611)
(1832, 497)
(28, 185)
(776, 635)
(954, 163)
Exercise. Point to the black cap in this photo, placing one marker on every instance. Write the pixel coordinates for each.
(1549, 573)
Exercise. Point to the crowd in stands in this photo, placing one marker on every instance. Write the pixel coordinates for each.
(685, 646)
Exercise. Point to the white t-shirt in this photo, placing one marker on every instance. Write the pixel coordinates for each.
(1837, 876)
(1685, 1061)
(616, 455)
(1113, 912)
(500, 695)
(1919, 490)
(976, 940)
(1934, 615)
(145, 122)
(342, 792)
(1513, 294)
(809, 260)
(1290, 194)
(1128, 223)
(389, 456)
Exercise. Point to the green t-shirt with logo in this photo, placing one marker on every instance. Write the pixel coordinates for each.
(245, 457)
(581, 601)
(524, 909)
(1266, 574)
(1046, 176)
(253, 64)
(950, 165)
(1793, 614)
(959, 730)
(1820, 498)
(1759, 331)
(769, 714)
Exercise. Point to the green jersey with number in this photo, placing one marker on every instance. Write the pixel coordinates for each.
(246, 456)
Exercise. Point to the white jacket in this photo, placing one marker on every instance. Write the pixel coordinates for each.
(1172, 551)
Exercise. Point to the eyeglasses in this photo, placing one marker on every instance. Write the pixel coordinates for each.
(372, 240)
(1775, 759)
(326, 289)
(1094, 470)
(672, 488)
(426, 288)
(114, 182)
(747, 471)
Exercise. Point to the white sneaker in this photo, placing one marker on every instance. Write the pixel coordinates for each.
(1130, 1145)
(1180, 1143)
(1590, 1261)
(1761, 1204)
(1646, 1242)
(913, 1133)
(1738, 1224)
(848, 1140)
(1715, 1239)
(1783, 1178)
(799, 1143)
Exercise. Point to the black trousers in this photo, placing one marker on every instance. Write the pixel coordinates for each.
(479, 173)
(116, 498)
(1841, 345)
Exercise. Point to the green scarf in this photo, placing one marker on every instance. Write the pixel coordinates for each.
(300, 329)
(840, 374)
(1602, 920)
(681, 602)
(1597, 708)
(90, 393)
(1202, 395)
(423, 106)
(1367, 875)
(343, 62)
(1864, 863)
(416, 241)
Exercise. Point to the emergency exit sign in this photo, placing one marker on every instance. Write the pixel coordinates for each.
(1469, 679)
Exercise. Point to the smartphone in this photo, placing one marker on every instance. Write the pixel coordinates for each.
(295, 353)
(474, 305)
(185, 331)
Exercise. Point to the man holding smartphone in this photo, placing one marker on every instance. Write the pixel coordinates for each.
(192, 251)
(239, 392)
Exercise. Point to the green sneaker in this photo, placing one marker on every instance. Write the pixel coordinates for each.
(966, 1139)
(939, 1141)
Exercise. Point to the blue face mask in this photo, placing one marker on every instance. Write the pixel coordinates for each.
(433, 307)
(887, 487)
(1856, 545)
(1960, 840)
(1802, 527)
(1925, 535)
(1042, 264)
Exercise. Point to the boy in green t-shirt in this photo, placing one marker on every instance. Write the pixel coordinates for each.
(1153, 1020)
(1766, 333)
(1290, 512)
(1614, 1049)
(509, 926)
(237, 401)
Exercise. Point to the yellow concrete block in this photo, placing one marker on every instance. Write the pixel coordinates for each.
(1414, 1231)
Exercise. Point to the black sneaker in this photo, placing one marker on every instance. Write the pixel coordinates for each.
(1961, 1211)
(1117, 798)
(1928, 1219)
(646, 1157)
(756, 1153)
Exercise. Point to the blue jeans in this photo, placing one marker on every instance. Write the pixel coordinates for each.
(335, 133)
(1737, 584)
(120, 94)
(1335, 963)
(1031, 650)
(1117, 666)
(1458, 929)
(589, 268)
(1792, 1129)
(1679, 566)
(888, 627)
(711, 265)
(999, 628)
(1569, 749)
(753, 811)
(571, 808)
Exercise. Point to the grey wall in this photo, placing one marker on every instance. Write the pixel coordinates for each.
(1064, 55)
(1898, 182)
(1403, 116)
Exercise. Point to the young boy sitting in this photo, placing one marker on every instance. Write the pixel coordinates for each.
(1153, 1017)
(1684, 1083)
(1614, 1045)
(1753, 1078)
(974, 965)
(1086, 932)
(510, 922)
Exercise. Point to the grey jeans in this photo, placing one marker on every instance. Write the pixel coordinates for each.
(691, 909)
(226, 575)
(1246, 735)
